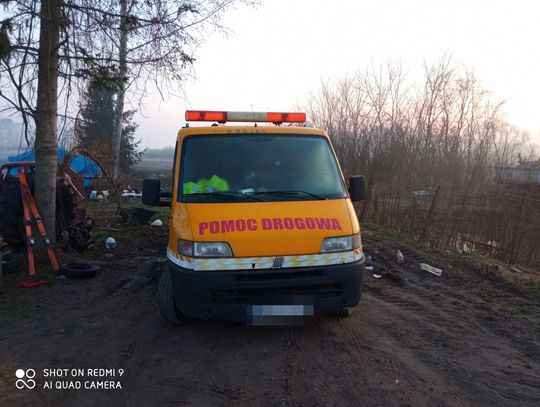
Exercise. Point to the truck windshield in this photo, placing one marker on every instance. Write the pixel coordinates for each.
(258, 167)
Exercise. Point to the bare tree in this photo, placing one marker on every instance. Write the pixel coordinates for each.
(428, 152)
(49, 48)
(46, 144)
(122, 73)
(147, 43)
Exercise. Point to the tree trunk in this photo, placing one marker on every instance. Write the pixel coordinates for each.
(46, 143)
(119, 109)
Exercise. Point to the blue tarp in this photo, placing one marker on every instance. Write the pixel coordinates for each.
(82, 165)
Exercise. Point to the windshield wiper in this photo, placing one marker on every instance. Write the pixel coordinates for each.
(290, 193)
(229, 194)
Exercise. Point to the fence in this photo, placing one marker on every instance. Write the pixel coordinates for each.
(502, 225)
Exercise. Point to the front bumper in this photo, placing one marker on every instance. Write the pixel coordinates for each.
(231, 295)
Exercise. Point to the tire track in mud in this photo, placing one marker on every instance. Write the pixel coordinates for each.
(389, 367)
(420, 343)
(465, 348)
(313, 376)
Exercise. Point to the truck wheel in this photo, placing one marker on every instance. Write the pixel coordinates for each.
(345, 312)
(166, 305)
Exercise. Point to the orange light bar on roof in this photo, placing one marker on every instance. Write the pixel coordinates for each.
(205, 116)
(275, 117)
(222, 117)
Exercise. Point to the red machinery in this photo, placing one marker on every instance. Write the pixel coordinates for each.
(31, 214)
(18, 173)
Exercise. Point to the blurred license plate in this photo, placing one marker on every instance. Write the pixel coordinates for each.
(279, 314)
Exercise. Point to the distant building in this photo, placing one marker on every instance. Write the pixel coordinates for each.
(526, 175)
(517, 175)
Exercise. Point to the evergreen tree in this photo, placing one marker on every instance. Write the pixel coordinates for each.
(97, 125)
(130, 153)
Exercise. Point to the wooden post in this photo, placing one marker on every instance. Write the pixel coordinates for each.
(430, 214)
(517, 232)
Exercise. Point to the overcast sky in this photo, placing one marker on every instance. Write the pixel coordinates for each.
(280, 51)
(277, 53)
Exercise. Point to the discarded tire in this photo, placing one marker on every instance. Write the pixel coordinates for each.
(166, 305)
(78, 270)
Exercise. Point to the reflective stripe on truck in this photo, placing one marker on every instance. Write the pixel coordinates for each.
(257, 263)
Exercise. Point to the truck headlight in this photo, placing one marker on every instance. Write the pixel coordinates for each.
(341, 243)
(211, 249)
(204, 249)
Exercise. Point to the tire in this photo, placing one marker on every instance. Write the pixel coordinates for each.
(11, 213)
(166, 304)
(345, 312)
(11, 210)
(78, 270)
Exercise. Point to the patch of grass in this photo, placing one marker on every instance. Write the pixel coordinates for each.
(163, 212)
(127, 236)
(124, 232)
(379, 237)
(382, 237)
(100, 208)
(475, 259)
(524, 282)
(528, 270)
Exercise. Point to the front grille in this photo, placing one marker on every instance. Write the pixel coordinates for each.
(280, 275)
(242, 296)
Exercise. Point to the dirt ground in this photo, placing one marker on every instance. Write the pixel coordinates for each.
(467, 338)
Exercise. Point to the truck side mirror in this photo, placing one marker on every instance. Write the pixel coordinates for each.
(357, 188)
(151, 193)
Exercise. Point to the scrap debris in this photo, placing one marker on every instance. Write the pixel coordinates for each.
(110, 243)
(128, 193)
(430, 269)
(399, 257)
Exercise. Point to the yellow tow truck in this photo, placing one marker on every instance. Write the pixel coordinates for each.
(262, 226)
